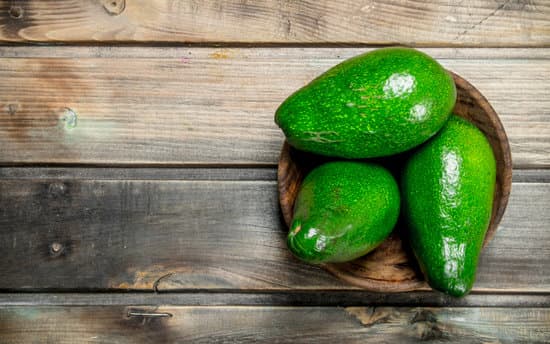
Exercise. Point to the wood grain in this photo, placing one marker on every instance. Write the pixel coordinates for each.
(185, 106)
(134, 324)
(85, 234)
(470, 23)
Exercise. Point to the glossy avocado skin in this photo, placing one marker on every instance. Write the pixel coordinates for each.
(343, 210)
(376, 104)
(447, 190)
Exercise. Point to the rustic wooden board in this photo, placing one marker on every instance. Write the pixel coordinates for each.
(470, 23)
(185, 106)
(118, 324)
(91, 234)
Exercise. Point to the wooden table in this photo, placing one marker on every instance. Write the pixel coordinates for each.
(138, 151)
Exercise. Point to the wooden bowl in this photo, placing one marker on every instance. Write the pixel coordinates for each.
(391, 267)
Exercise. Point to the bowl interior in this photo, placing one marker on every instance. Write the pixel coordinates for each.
(391, 267)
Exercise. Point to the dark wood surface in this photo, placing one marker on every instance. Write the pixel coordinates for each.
(205, 234)
(138, 174)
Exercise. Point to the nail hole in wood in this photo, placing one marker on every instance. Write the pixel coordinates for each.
(113, 7)
(16, 12)
(12, 109)
(56, 249)
(69, 118)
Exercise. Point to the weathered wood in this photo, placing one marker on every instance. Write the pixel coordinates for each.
(340, 298)
(215, 235)
(172, 324)
(471, 23)
(182, 106)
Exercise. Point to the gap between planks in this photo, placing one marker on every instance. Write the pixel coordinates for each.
(151, 51)
(209, 173)
(256, 298)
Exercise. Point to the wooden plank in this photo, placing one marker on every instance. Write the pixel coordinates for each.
(118, 324)
(206, 235)
(471, 23)
(193, 106)
(329, 298)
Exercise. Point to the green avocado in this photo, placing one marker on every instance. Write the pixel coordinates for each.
(344, 209)
(447, 190)
(376, 104)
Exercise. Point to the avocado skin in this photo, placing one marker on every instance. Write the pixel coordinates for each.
(343, 210)
(447, 190)
(376, 104)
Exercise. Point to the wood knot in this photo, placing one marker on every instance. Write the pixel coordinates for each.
(16, 12)
(69, 118)
(12, 109)
(371, 316)
(423, 316)
(425, 326)
(114, 7)
(57, 189)
(56, 249)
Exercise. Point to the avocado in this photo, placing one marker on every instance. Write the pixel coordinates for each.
(344, 209)
(376, 104)
(447, 190)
